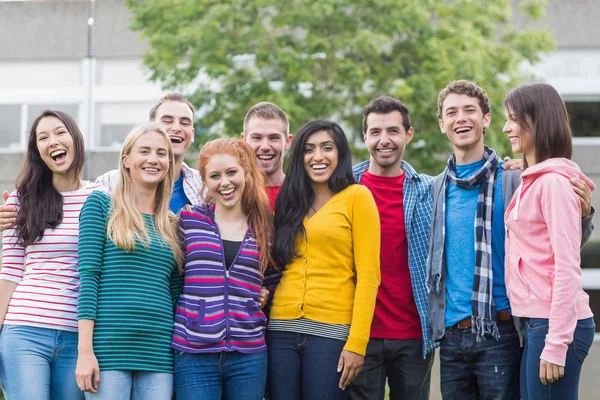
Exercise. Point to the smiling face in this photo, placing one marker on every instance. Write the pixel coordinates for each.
(386, 139)
(224, 179)
(521, 139)
(463, 121)
(55, 145)
(269, 139)
(148, 160)
(178, 120)
(320, 157)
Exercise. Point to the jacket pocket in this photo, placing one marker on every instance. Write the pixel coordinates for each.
(515, 284)
(208, 327)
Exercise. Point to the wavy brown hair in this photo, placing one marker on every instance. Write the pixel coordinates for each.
(255, 202)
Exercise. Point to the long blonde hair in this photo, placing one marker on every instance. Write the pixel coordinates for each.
(126, 223)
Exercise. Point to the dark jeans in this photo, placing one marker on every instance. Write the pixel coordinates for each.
(567, 387)
(225, 375)
(480, 370)
(304, 367)
(402, 363)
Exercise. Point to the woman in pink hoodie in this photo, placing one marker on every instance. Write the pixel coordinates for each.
(543, 235)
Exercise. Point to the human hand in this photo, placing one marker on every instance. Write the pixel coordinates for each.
(263, 296)
(585, 195)
(550, 372)
(8, 214)
(87, 372)
(509, 163)
(350, 365)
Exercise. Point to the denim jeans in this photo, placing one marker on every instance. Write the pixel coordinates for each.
(480, 370)
(38, 363)
(304, 367)
(567, 387)
(226, 375)
(138, 385)
(401, 363)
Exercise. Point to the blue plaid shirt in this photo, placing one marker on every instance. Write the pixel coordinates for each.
(417, 218)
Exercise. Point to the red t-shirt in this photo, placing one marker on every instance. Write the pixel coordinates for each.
(396, 315)
(272, 192)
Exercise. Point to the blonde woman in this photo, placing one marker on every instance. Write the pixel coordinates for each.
(128, 254)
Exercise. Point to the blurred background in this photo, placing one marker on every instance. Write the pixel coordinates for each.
(106, 62)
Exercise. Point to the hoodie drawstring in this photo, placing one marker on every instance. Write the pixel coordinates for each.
(516, 211)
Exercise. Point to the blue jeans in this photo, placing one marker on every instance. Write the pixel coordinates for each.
(567, 387)
(304, 367)
(138, 385)
(401, 363)
(38, 363)
(225, 375)
(480, 370)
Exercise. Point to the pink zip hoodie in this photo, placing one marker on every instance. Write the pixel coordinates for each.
(542, 267)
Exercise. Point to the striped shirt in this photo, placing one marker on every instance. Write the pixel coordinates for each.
(219, 308)
(310, 327)
(130, 295)
(46, 272)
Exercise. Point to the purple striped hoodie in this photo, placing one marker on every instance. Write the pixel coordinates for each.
(218, 309)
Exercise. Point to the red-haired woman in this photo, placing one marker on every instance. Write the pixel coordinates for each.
(219, 335)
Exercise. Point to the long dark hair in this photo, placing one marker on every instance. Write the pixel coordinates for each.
(540, 110)
(40, 204)
(296, 195)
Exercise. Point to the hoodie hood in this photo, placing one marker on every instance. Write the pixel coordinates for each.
(562, 166)
(566, 168)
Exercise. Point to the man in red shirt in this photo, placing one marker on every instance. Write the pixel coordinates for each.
(267, 130)
(400, 349)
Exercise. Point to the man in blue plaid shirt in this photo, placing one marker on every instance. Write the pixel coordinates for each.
(400, 348)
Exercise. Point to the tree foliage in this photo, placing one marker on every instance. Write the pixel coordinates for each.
(329, 58)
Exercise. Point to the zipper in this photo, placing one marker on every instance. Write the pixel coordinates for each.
(226, 283)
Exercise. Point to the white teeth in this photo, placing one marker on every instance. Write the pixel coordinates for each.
(319, 166)
(57, 153)
(175, 139)
(385, 150)
(227, 191)
(150, 169)
(265, 158)
(461, 130)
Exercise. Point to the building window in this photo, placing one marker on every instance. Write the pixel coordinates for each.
(115, 121)
(584, 118)
(34, 110)
(10, 126)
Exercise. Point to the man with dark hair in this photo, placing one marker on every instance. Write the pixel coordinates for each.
(267, 130)
(400, 347)
(469, 311)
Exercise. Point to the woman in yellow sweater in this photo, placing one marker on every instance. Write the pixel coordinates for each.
(327, 238)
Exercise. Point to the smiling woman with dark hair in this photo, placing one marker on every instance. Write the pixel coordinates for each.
(327, 240)
(39, 282)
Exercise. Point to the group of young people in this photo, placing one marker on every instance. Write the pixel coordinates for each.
(154, 279)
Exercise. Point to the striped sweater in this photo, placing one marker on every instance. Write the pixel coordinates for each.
(130, 295)
(219, 308)
(46, 272)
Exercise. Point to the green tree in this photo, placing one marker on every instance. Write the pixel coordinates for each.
(328, 58)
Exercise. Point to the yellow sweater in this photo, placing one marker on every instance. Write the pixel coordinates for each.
(336, 276)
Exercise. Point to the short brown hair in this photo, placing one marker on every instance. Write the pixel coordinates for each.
(539, 109)
(463, 87)
(386, 105)
(266, 110)
(171, 97)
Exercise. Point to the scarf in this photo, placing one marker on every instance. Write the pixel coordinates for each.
(483, 317)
